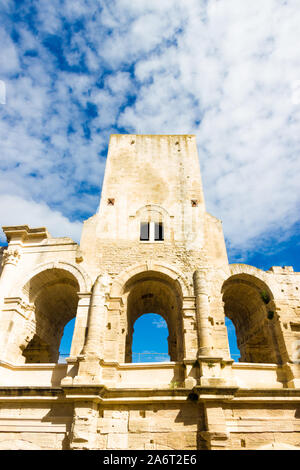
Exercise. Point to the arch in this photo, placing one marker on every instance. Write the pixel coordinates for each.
(240, 268)
(154, 292)
(152, 287)
(53, 295)
(244, 277)
(152, 207)
(249, 304)
(243, 269)
(183, 286)
(83, 279)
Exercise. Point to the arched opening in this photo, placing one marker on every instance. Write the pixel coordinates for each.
(150, 339)
(156, 293)
(248, 303)
(53, 294)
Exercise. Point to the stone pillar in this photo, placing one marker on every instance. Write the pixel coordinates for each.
(216, 434)
(10, 260)
(94, 339)
(17, 328)
(89, 370)
(115, 331)
(190, 339)
(79, 334)
(79, 337)
(205, 343)
(84, 427)
(291, 374)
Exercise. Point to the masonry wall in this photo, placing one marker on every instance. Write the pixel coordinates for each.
(255, 426)
(34, 426)
(148, 426)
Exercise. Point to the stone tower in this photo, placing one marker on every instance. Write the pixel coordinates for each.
(150, 248)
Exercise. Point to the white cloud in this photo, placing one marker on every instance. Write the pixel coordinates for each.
(234, 71)
(160, 323)
(222, 70)
(9, 61)
(17, 211)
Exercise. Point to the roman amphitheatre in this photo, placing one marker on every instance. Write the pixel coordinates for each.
(151, 248)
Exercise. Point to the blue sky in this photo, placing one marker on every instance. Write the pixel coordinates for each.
(152, 346)
(227, 71)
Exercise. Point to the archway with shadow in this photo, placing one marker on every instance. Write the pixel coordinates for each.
(53, 293)
(249, 304)
(153, 292)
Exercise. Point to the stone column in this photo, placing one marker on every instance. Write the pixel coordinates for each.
(94, 339)
(216, 434)
(202, 314)
(78, 339)
(89, 370)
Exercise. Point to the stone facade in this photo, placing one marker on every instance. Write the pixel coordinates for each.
(99, 399)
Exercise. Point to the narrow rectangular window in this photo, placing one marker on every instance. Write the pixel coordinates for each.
(144, 235)
(159, 231)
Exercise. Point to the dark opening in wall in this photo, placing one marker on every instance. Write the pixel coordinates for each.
(249, 304)
(53, 295)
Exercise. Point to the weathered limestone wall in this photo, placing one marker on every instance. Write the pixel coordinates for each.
(150, 426)
(135, 177)
(255, 426)
(35, 426)
(189, 425)
(138, 186)
(286, 296)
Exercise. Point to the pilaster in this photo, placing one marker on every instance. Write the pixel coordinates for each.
(84, 428)
(89, 370)
(10, 260)
(216, 434)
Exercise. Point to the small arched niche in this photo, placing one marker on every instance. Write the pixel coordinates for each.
(153, 223)
(53, 294)
(249, 304)
(156, 293)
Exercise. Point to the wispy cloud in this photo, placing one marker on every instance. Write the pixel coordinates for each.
(34, 214)
(226, 71)
(159, 323)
